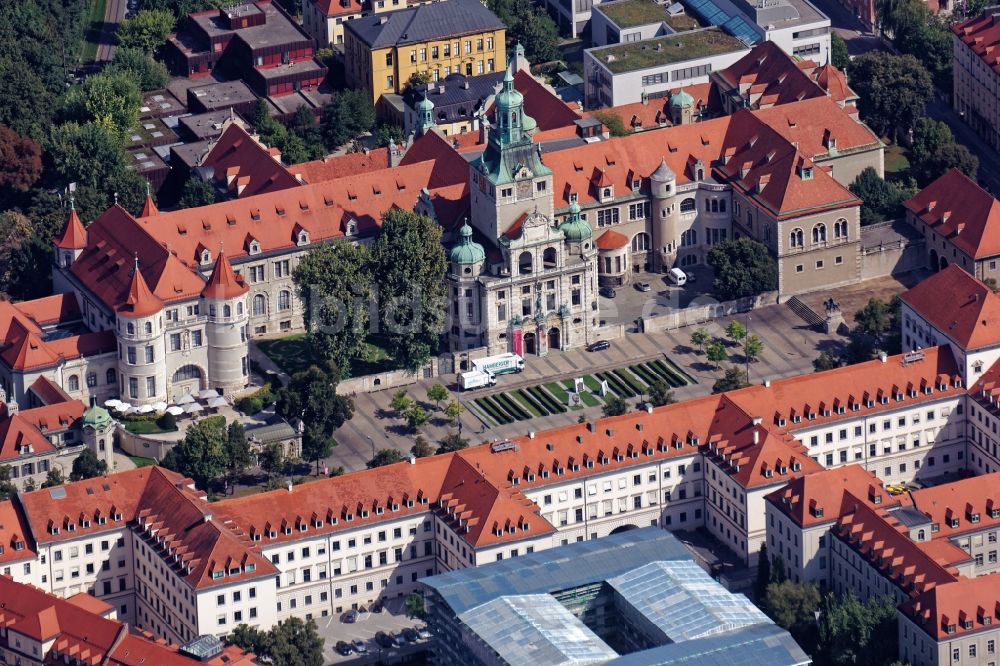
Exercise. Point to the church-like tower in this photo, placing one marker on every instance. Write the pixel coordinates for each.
(228, 315)
(142, 362)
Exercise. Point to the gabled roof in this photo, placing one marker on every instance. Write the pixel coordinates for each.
(816, 499)
(955, 207)
(339, 166)
(982, 35)
(331, 8)
(834, 82)
(425, 22)
(960, 500)
(244, 166)
(15, 536)
(969, 315)
(73, 236)
(55, 309)
(943, 611)
(223, 283)
(767, 76)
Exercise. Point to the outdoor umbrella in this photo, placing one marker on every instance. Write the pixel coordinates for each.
(175, 410)
(193, 407)
(217, 402)
(159, 406)
(112, 403)
(145, 409)
(185, 399)
(208, 394)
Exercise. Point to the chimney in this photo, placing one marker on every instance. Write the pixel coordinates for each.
(767, 383)
(756, 432)
(531, 434)
(289, 485)
(208, 517)
(882, 356)
(413, 460)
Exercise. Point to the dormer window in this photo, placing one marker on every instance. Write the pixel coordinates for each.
(953, 523)
(254, 247)
(206, 257)
(352, 228)
(607, 193)
(303, 238)
(636, 184)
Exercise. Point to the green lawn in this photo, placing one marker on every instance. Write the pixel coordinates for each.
(144, 427)
(94, 20)
(896, 162)
(294, 354)
(142, 462)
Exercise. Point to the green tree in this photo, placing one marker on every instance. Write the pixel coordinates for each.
(699, 338)
(736, 331)
(421, 447)
(55, 477)
(386, 457)
(614, 406)
(271, 459)
(838, 52)
(108, 99)
(452, 442)
(237, 450)
(7, 489)
(437, 394)
(304, 126)
(196, 192)
(778, 573)
(734, 379)
(453, 410)
(743, 267)
(149, 74)
(893, 91)
(311, 397)
(874, 320)
(416, 416)
(333, 280)
(248, 639)
(528, 26)
(347, 115)
(716, 353)
(86, 466)
(388, 134)
(934, 151)
(409, 263)
(146, 31)
(291, 642)
(614, 123)
(881, 199)
(660, 393)
(401, 402)
(752, 348)
(763, 578)
(20, 160)
(851, 632)
(201, 454)
(29, 484)
(415, 606)
(826, 361)
(792, 605)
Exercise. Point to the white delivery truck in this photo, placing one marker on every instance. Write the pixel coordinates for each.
(474, 379)
(501, 364)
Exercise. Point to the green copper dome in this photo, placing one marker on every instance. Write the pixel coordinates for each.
(425, 104)
(528, 123)
(96, 417)
(509, 97)
(467, 251)
(681, 99)
(575, 228)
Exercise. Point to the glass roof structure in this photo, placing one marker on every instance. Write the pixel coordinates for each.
(733, 23)
(757, 645)
(536, 630)
(563, 568)
(683, 602)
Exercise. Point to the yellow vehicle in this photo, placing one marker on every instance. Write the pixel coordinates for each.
(895, 490)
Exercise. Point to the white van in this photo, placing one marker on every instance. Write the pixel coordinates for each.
(678, 277)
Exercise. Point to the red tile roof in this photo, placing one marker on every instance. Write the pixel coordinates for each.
(542, 104)
(982, 35)
(58, 308)
(339, 166)
(148, 208)
(331, 8)
(611, 240)
(834, 82)
(970, 315)
(811, 122)
(768, 77)
(16, 543)
(246, 167)
(817, 498)
(950, 611)
(140, 301)
(449, 168)
(969, 502)
(91, 604)
(955, 207)
(48, 391)
(223, 283)
(73, 236)
(655, 113)
(135, 650)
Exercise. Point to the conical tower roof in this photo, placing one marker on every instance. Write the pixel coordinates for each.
(149, 208)
(74, 236)
(141, 301)
(663, 172)
(223, 283)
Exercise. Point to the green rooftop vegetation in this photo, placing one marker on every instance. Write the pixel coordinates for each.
(682, 22)
(633, 56)
(630, 13)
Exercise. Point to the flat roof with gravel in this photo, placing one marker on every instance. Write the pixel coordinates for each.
(680, 47)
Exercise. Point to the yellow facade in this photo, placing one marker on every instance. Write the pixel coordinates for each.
(328, 30)
(386, 70)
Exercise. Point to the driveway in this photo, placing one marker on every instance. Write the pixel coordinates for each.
(392, 620)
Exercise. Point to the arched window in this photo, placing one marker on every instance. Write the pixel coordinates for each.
(921, 535)
(227, 311)
(840, 228)
(524, 263)
(819, 233)
(795, 239)
(640, 242)
(284, 301)
(109, 376)
(689, 237)
(148, 328)
(549, 257)
(73, 383)
(130, 327)
(186, 372)
(688, 206)
(259, 305)
(91, 379)
(239, 308)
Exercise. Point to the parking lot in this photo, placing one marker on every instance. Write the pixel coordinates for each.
(630, 303)
(392, 620)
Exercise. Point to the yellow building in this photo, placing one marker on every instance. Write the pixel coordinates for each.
(325, 19)
(383, 51)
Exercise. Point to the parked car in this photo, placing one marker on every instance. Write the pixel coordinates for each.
(398, 639)
(377, 607)
(607, 292)
(344, 648)
(384, 639)
(600, 345)
(643, 286)
(359, 646)
(423, 632)
(350, 617)
(895, 490)
(411, 635)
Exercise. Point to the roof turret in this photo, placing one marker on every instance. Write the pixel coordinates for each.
(74, 236)
(467, 251)
(223, 283)
(96, 417)
(141, 301)
(149, 208)
(663, 172)
(681, 99)
(575, 228)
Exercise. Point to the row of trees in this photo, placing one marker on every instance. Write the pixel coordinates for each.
(717, 351)
(291, 642)
(398, 281)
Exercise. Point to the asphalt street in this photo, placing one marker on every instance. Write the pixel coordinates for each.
(114, 12)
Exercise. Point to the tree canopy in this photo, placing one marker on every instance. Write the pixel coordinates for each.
(735, 378)
(311, 396)
(87, 465)
(882, 199)
(933, 151)
(291, 642)
(529, 26)
(893, 90)
(386, 457)
(348, 114)
(201, 455)
(146, 31)
(743, 267)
